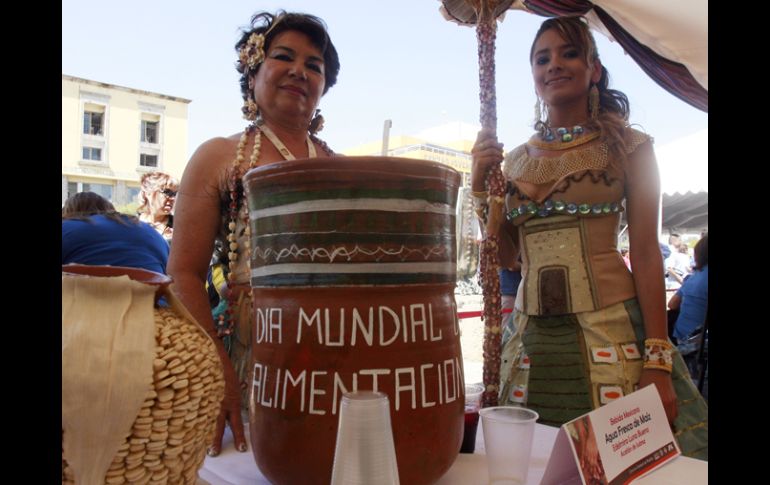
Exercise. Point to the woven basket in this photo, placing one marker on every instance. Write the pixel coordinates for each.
(169, 437)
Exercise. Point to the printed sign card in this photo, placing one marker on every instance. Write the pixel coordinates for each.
(612, 445)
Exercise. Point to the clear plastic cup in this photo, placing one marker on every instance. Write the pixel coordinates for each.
(472, 405)
(365, 453)
(508, 432)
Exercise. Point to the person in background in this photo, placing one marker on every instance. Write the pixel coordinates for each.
(287, 62)
(674, 240)
(678, 266)
(156, 202)
(665, 251)
(93, 233)
(588, 330)
(692, 298)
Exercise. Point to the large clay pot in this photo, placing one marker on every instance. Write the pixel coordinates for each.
(142, 384)
(353, 275)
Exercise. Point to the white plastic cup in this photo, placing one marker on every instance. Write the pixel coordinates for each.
(508, 432)
(365, 453)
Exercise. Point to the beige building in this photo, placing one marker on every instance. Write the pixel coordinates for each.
(449, 144)
(111, 135)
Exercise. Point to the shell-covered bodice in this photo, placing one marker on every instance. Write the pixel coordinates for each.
(567, 211)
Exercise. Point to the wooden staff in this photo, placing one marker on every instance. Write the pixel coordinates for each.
(486, 32)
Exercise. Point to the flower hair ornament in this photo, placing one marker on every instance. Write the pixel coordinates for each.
(252, 53)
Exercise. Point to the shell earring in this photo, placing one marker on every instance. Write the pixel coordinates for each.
(250, 109)
(593, 102)
(317, 123)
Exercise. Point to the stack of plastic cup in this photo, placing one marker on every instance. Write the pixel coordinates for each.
(365, 454)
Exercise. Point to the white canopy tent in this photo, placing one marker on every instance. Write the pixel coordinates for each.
(675, 30)
(683, 166)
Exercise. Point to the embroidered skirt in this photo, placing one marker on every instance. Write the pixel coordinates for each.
(567, 365)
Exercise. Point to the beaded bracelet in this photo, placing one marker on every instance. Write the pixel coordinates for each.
(657, 354)
(479, 198)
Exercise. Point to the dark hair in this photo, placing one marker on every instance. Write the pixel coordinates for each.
(83, 205)
(614, 109)
(702, 252)
(310, 25)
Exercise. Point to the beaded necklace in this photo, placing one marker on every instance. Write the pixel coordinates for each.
(225, 323)
(567, 138)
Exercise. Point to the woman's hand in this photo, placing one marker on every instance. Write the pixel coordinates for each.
(662, 380)
(486, 153)
(229, 413)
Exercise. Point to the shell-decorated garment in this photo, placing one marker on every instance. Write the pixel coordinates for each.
(568, 237)
(241, 269)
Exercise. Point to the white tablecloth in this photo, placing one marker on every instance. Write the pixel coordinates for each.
(234, 468)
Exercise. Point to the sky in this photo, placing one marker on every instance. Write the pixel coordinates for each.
(400, 60)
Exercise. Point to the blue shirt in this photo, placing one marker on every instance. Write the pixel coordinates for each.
(692, 312)
(509, 282)
(103, 241)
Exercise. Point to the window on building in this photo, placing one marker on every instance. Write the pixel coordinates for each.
(93, 123)
(132, 193)
(149, 131)
(91, 153)
(101, 189)
(146, 160)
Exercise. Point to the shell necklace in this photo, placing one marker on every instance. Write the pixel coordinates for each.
(225, 324)
(259, 128)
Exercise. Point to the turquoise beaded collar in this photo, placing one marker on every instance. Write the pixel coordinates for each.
(565, 134)
(562, 138)
(550, 207)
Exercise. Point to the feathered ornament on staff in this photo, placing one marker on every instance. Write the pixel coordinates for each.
(484, 13)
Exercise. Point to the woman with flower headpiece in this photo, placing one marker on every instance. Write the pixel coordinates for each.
(287, 62)
(588, 330)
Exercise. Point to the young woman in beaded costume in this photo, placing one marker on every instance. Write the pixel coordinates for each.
(587, 329)
(287, 62)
